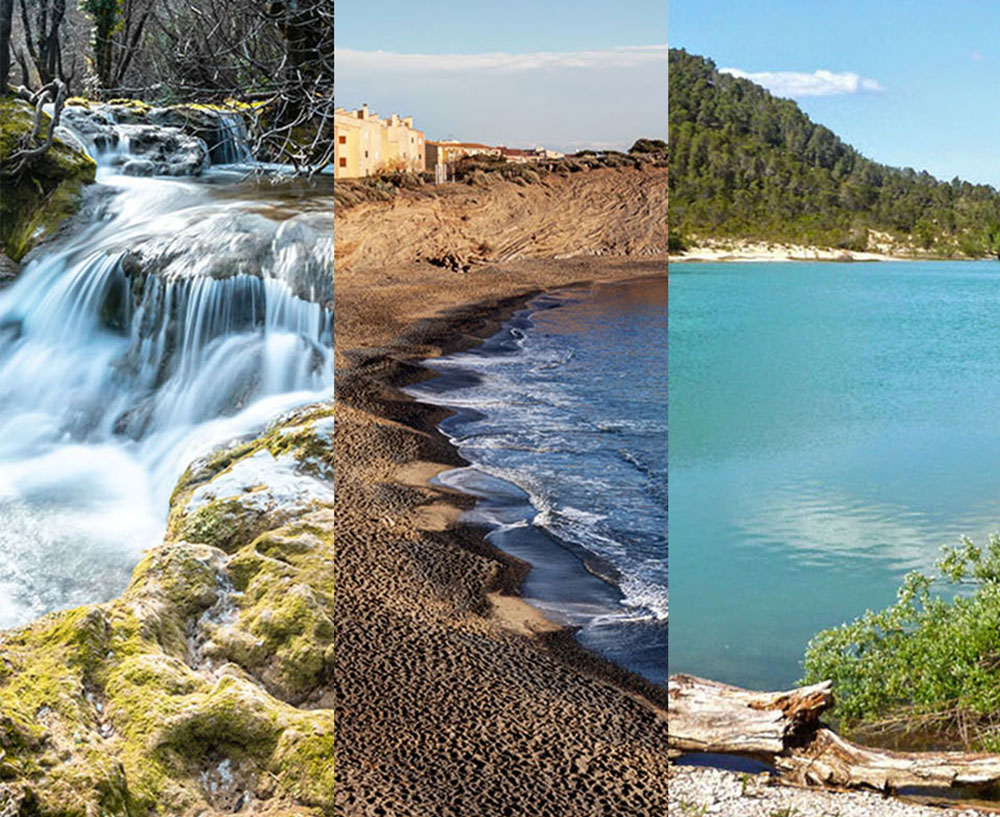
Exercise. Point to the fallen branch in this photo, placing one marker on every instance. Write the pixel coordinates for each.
(784, 729)
(54, 92)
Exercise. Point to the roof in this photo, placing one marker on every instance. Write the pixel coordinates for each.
(451, 144)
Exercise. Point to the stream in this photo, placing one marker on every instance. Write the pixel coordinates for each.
(176, 314)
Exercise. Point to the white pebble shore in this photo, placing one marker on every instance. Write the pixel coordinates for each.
(700, 792)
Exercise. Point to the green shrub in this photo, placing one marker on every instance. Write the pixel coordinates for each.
(648, 146)
(929, 654)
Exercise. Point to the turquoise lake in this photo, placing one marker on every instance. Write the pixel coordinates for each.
(832, 426)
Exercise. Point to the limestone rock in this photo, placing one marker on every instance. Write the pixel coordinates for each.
(189, 694)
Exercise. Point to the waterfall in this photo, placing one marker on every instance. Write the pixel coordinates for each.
(231, 146)
(113, 378)
(162, 141)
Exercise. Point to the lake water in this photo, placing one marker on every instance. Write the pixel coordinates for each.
(562, 416)
(832, 427)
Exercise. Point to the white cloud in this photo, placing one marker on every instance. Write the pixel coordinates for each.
(562, 99)
(389, 61)
(798, 84)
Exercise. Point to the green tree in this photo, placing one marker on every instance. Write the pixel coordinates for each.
(747, 164)
(924, 233)
(993, 240)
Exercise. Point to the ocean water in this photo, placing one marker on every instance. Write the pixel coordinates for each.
(562, 417)
(832, 427)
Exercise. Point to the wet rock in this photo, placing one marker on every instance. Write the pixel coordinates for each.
(202, 121)
(303, 252)
(127, 129)
(9, 270)
(297, 250)
(220, 129)
(139, 167)
(171, 151)
(70, 138)
(129, 111)
(93, 125)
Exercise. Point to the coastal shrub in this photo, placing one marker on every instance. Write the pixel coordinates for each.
(648, 146)
(930, 658)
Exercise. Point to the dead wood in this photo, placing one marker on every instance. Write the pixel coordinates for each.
(784, 729)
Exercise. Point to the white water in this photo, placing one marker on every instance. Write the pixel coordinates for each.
(111, 384)
(233, 146)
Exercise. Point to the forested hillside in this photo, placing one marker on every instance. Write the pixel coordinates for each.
(746, 164)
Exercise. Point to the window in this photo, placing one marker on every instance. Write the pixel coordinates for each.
(366, 154)
(343, 162)
(343, 140)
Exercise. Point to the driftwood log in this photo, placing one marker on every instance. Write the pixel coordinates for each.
(784, 729)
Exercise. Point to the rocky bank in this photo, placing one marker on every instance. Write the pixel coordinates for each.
(206, 687)
(135, 138)
(37, 200)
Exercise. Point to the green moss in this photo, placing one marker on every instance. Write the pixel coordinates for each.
(187, 578)
(45, 193)
(211, 467)
(229, 106)
(233, 715)
(223, 523)
(66, 650)
(285, 627)
(119, 708)
(243, 567)
(298, 437)
(305, 763)
(134, 105)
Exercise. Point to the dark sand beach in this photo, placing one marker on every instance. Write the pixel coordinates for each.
(454, 696)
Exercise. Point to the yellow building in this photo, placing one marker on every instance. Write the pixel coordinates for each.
(366, 144)
(442, 153)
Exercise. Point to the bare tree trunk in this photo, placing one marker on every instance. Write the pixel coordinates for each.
(42, 40)
(6, 18)
(783, 728)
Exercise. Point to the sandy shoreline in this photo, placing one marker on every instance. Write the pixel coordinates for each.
(453, 695)
(759, 251)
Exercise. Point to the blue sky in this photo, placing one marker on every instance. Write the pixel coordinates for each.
(911, 82)
(562, 74)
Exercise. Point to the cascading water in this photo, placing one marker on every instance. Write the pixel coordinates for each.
(232, 146)
(170, 324)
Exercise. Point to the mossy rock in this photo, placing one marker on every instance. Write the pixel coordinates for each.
(145, 705)
(38, 199)
(224, 523)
